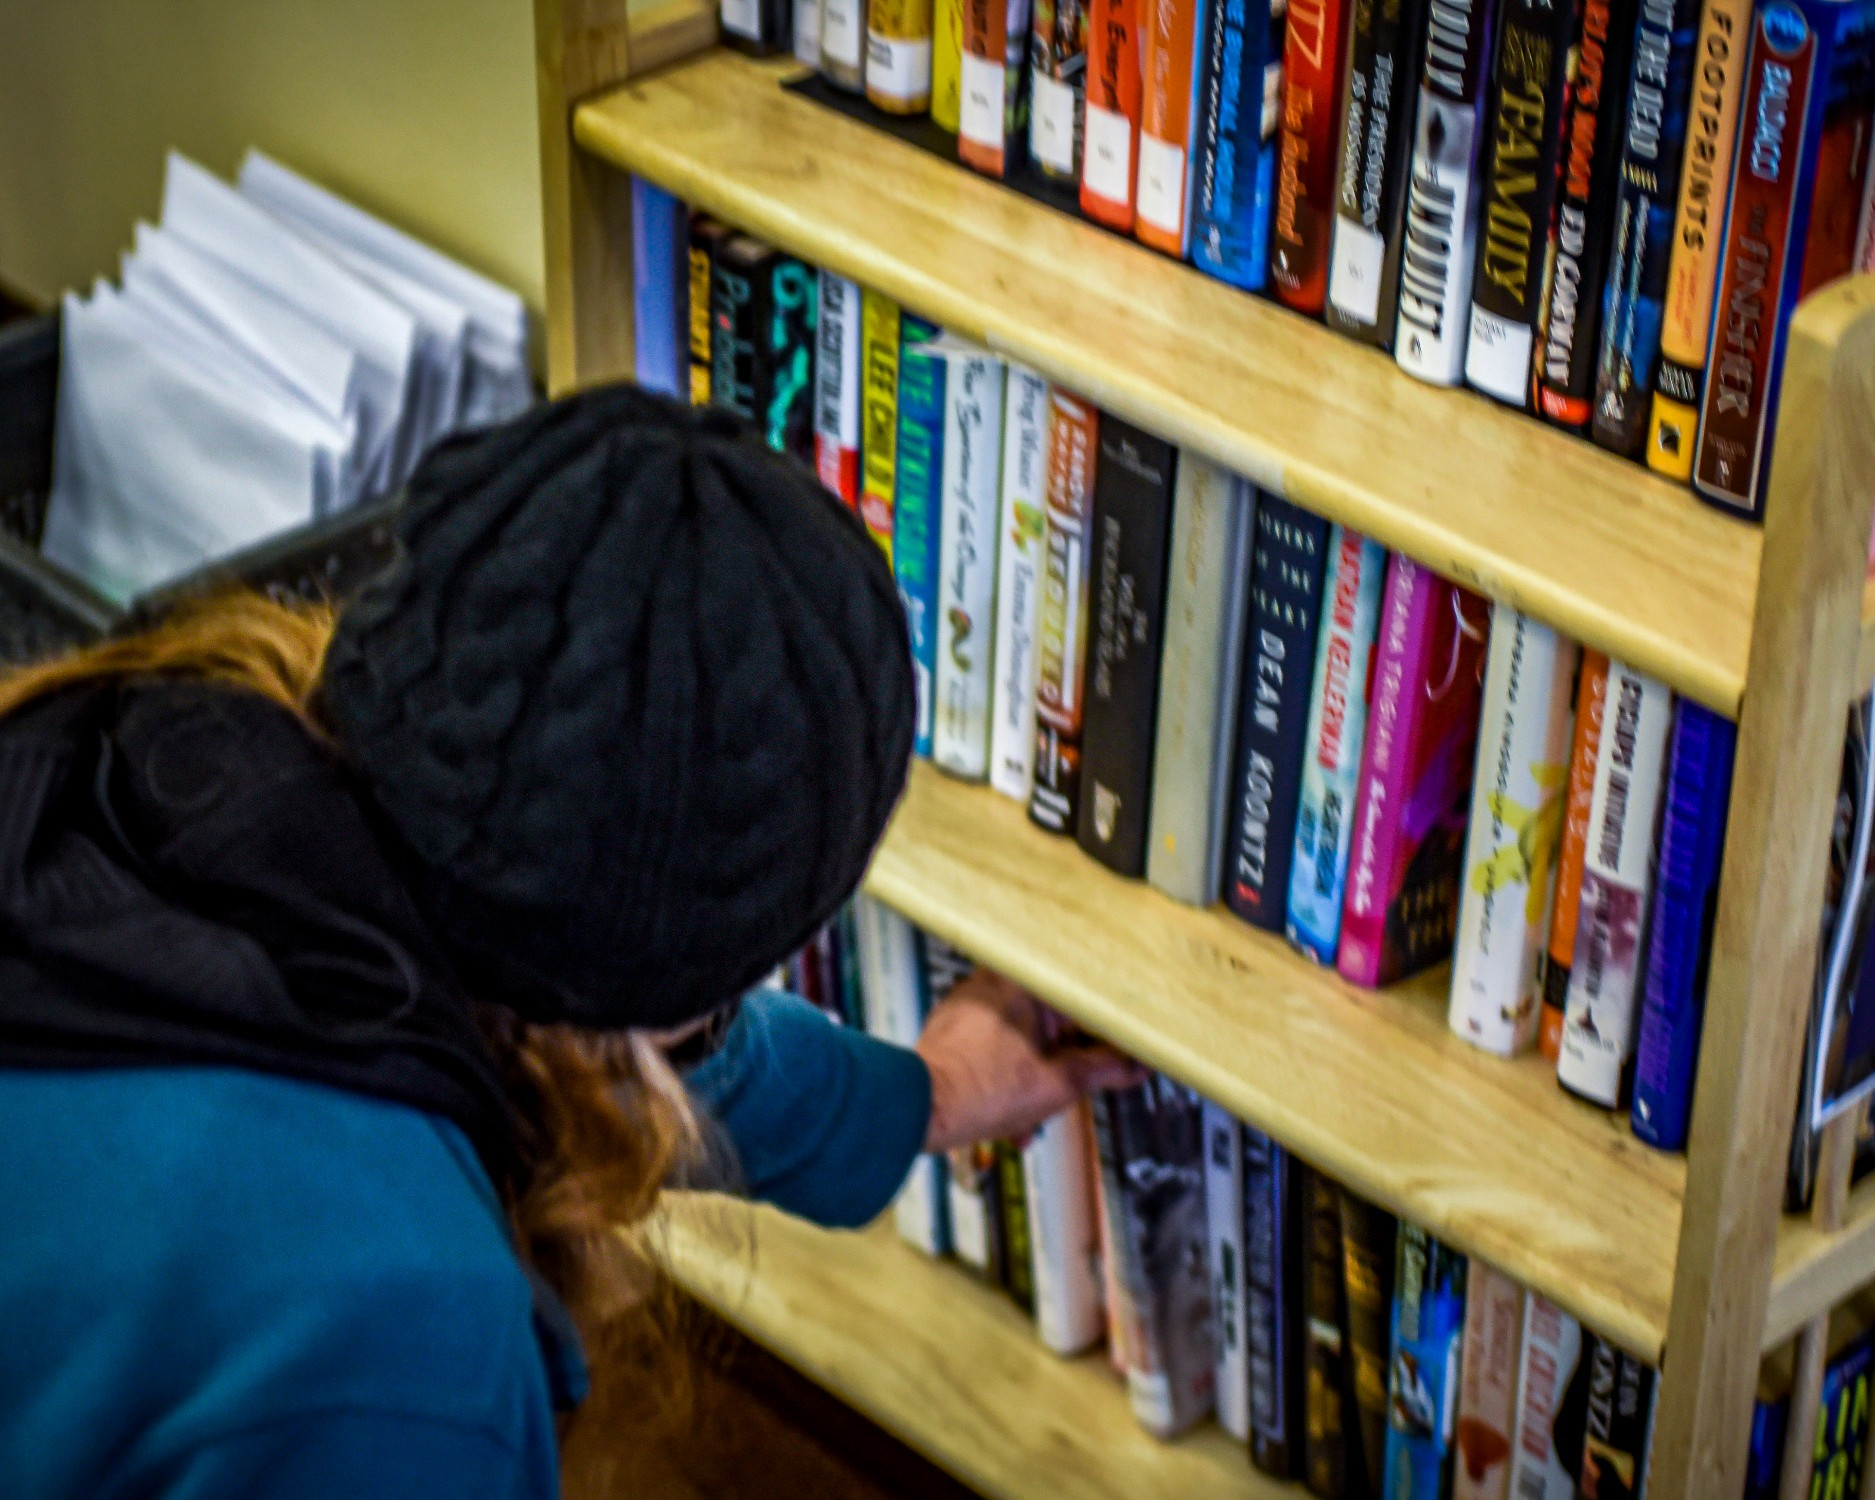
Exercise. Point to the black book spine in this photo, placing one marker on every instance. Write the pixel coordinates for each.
(1368, 1250)
(1273, 709)
(742, 291)
(1332, 1467)
(1272, 1292)
(1524, 118)
(1620, 1412)
(706, 238)
(1384, 49)
(787, 374)
(1130, 546)
(1588, 177)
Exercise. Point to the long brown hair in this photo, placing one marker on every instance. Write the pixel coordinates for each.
(604, 1121)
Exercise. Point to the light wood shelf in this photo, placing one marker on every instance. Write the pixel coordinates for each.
(950, 1367)
(1816, 1268)
(1610, 554)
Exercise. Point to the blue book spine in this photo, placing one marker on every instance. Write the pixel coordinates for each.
(1692, 843)
(660, 291)
(1273, 1304)
(1764, 1464)
(915, 515)
(1660, 88)
(1240, 49)
(1842, 1422)
(1331, 769)
(1422, 1379)
(1273, 709)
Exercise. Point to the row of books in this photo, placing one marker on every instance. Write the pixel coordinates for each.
(1602, 211)
(1216, 691)
(1350, 1351)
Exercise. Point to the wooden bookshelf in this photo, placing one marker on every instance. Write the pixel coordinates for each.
(1615, 556)
(947, 1365)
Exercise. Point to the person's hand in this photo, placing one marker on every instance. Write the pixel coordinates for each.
(992, 1076)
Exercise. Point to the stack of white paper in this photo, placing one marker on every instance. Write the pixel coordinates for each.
(274, 355)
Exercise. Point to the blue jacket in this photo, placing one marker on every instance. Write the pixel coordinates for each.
(218, 1283)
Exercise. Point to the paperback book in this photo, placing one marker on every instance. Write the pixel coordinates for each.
(843, 43)
(1224, 1221)
(1061, 637)
(1167, 99)
(1487, 1390)
(1110, 113)
(1273, 1270)
(1617, 1424)
(993, 107)
(706, 236)
(1422, 1393)
(1022, 540)
(1332, 1462)
(880, 336)
(898, 55)
(1369, 1246)
(1546, 1452)
(1234, 147)
(1058, 1172)
(1307, 128)
(660, 291)
(1058, 86)
(1591, 697)
(947, 64)
(924, 375)
(837, 387)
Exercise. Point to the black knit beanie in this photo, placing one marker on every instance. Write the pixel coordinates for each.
(637, 698)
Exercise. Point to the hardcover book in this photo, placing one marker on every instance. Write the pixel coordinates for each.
(706, 236)
(762, 344)
(1842, 1423)
(1307, 128)
(898, 55)
(993, 110)
(1224, 1221)
(1200, 669)
(879, 349)
(1617, 884)
(1553, 966)
(843, 44)
(837, 387)
(924, 374)
(1233, 154)
(660, 291)
(1058, 1173)
(1021, 541)
(1692, 844)
(757, 27)
(1337, 726)
(1618, 1422)
(1332, 1463)
(1428, 1326)
(1487, 1389)
(1518, 176)
(947, 64)
(741, 271)
(1444, 191)
(1272, 1278)
(1368, 1249)
(976, 1211)
(1407, 856)
(807, 32)
(1057, 86)
(1110, 113)
(1018, 1247)
(1131, 528)
(1516, 823)
(1546, 1452)
(1288, 563)
(1385, 42)
(1061, 638)
(1167, 32)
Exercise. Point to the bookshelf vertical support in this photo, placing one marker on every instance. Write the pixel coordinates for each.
(1799, 682)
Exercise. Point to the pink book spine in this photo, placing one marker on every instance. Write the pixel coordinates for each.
(1399, 670)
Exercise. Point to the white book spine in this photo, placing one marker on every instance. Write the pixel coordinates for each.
(969, 1214)
(1617, 885)
(1224, 1218)
(1018, 582)
(1516, 825)
(1487, 1390)
(1058, 1174)
(836, 387)
(807, 31)
(973, 423)
(1552, 1343)
(1212, 523)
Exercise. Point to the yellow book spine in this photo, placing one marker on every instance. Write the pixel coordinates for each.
(879, 335)
(947, 63)
(898, 56)
(699, 325)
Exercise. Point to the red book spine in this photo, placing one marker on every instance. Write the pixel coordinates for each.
(1111, 141)
(1305, 170)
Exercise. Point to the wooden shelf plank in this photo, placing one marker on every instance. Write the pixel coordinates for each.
(1596, 546)
(1815, 1269)
(1372, 1087)
(946, 1365)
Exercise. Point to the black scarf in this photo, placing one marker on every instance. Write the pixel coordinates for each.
(188, 876)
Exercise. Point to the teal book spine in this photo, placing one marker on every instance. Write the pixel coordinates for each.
(916, 527)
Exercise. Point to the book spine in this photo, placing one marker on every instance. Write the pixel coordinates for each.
(1698, 232)
(1865, 227)
(1058, 1172)
(1406, 856)
(947, 65)
(1130, 542)
(706, 236)
(758, 27)
(1368, 1249)
(1617, 880)
(1021, 542)
(923, 374)
(739, 288)
(1168, 34)
(1337, 726)
(852, 983)
(1660, 85)
(1234, 142)
(1272, 1270)
(1305, 163)
(1443, 191)
(993, 119)
(1018, 1245)
(1224, 1223)
(878, 454)
(1840, 1458)
(843, 44)
(1553, 964)
(660, 281)
(807, 32)
(976, 1210)
(1519, 194)
(1199, 673)
(1422, 1397)
(1330, 1446)
(1546, 1451)
(1587, 176)
(786, 387)
(1383, 52)
(1692, 846)
(898, 55)
(1061, 635)
(1516, 823)
(1618, 1418)
(1487, 1391)
(837, 387)
(1766, 1457)
(1058, 86)
(1110, 113)
(966, 594)
(1287, 566)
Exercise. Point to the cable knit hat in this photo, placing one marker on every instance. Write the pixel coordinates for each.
(637, 698)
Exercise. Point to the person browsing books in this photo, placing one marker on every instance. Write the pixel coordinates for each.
(348, 967)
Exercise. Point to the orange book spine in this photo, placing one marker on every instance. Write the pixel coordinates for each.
(1111, 139)
(980, 135)
(1167, 34)
(1591, 690)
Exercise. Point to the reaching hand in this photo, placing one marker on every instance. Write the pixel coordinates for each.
(991, 1074)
